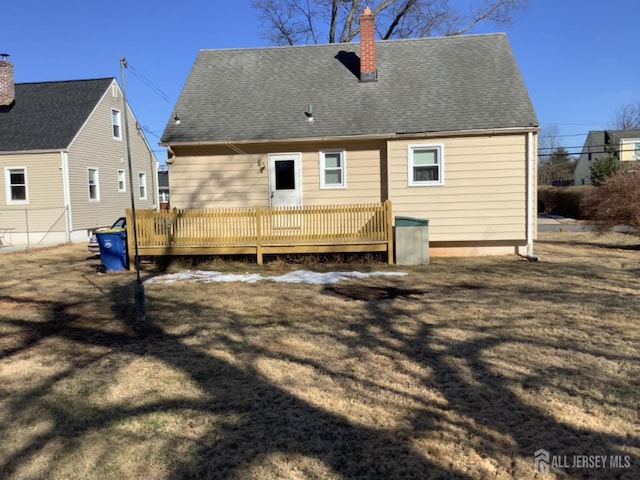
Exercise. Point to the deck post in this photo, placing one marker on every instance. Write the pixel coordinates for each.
(259, 235)
(389, 221)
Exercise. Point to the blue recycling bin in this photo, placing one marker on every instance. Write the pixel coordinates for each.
(113, 249)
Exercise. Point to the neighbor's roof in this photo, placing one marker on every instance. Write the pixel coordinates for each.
(424, 85)
(625, 134)
(597, 141)
(48, 115)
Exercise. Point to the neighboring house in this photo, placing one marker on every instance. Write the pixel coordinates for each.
(624, 144)
(442, 127)
(64, 161)
(163, 189)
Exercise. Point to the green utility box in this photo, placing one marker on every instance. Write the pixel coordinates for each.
(412, 241)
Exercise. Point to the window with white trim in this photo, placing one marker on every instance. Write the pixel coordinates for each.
(115, 124)
(142, 185)
(333, 170)
(16, 185)
(636, 150)
(94, 184)
(426, 165)
(122, 183)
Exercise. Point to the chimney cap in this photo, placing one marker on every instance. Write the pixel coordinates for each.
(367, 11)
(4, 56)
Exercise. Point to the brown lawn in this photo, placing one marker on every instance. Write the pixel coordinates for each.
(461, 369)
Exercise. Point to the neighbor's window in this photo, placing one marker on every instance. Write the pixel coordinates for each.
(16, 182)
(142, 185)
(122, 183)
(426, 165)
(332, 169)
(115, 124)
(94, 186)
(636, 150)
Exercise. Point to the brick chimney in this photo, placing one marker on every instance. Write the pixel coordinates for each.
(368, 72)
(7, 88)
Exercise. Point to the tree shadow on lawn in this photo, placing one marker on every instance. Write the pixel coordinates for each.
(481, 395)
(272, 420)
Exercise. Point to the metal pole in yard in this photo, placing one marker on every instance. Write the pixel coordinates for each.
(26, 224)
(139, 289)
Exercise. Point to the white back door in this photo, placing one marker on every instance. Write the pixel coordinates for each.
(285, 179)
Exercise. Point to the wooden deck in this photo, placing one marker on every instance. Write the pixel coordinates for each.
(263, 230)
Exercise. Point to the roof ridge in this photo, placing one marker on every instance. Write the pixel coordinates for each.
(66, 81)
(378, 42)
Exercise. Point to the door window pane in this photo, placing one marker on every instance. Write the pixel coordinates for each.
(285, 175)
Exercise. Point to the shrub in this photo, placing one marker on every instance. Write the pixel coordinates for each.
(617, 202)
(566, 201)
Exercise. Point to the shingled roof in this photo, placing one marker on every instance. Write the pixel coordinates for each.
(423, 85)
(48, 115)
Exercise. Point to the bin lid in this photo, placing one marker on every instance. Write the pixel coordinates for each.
(111, 230)
(411, 222)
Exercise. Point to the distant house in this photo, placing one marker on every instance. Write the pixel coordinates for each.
(623, 144)
(163, 189)
(64, 159)
(442, 127)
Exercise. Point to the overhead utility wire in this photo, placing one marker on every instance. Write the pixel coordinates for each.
(150, 84)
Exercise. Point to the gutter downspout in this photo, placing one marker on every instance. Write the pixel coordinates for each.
(531, 195)
(66, 192)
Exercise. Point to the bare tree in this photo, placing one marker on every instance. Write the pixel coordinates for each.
(628, 117)
(290, 22)
(548, 143)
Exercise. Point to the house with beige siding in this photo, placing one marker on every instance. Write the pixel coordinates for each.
(624, 145)
(64, 162)
(443, 128)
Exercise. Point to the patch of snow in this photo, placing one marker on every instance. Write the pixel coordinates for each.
(299, 276)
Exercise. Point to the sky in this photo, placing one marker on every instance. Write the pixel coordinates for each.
(578, 58)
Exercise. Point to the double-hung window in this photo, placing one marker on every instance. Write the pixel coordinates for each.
(16, 184)
(115, 124)
(333, 172)
(426, 165)
(94, 185)
(122, 183)
(142, 185)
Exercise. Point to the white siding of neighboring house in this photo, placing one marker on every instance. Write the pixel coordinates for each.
(582, 172)
(94, 147)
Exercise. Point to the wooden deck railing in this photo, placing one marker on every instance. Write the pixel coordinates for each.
(263, 230)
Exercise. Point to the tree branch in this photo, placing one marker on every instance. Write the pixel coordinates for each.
(396, 20)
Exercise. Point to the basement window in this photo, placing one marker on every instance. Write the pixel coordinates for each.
(333, 172)
(425, 165)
